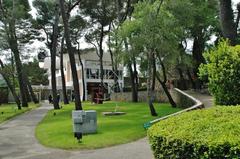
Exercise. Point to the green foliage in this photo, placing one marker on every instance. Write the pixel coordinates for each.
(151, 30)
(17, 8)
(222, 70)
(200, 134)
(36, 74)
(102, 12)
(56, 131)
(45, 11)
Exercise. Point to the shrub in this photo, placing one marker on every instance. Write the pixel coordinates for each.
(223, 72)
(210, 133)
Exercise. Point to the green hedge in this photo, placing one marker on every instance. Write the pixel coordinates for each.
(222, 72)
(209, 133)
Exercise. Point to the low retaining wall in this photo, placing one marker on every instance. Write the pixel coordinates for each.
(183, 100)
(142, 96)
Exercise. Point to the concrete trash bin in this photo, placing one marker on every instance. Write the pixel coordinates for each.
(84, 122)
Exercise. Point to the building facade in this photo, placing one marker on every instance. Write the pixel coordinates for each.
(91, 67)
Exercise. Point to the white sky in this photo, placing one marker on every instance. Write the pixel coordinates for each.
(235, 1)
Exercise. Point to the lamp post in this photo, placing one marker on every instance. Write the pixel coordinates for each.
(40, 96)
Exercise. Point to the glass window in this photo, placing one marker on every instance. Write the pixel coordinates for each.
(94, 73)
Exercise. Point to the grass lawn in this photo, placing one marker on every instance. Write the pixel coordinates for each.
(56, 131)
(8, 111)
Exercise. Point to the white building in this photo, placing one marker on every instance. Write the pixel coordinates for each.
(91, 67)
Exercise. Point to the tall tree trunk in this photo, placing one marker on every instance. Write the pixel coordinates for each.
(114, 65)
(153, 72)
(28, 95)
(53, 58)
(10, 86)
(82, 67)
(101, 58)
(132, 77)
(34, 98)
(163, 83)
(198, 49)
(133, 84)
(64, 90)
(135, 73)
(183, 85)
(14, 48)
(190, 78)
(78, 104)
(13, 70)
(149, 85)
(228, 26)
(165, 89)
(116, 85)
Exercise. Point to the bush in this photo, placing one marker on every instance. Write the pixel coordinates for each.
(222, 70)
(210, 133)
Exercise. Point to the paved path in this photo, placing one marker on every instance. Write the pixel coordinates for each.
(206, 99)
(17, 141)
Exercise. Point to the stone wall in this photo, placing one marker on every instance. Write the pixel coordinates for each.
(142, 96)
(182, 99)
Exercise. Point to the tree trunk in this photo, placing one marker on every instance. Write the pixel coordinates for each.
(116, 83)
(149, 85)
(14, 48)
(64, 90)
(133, 84)
(182, 81)
(114, 66)
(53, 59)
(101, 58)
(227, 21)
(190, 78)
(198, 49)
(13, 70)
(153, 72)
(10, 86)
(28, 96)
(82, 67)
(165, 89)
(135, 73)
(132, 77)
(34, 99)
(163, 83)
(78, 104)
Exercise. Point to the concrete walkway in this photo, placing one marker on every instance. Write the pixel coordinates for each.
(206, 99)
(17, 140)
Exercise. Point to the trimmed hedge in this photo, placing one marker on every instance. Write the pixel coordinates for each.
(222, 72)
(209, 133)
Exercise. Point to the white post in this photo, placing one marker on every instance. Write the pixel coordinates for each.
(40, 96)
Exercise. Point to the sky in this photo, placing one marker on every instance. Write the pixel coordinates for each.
(235, 1)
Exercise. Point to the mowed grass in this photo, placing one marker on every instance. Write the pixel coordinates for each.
(56, 131)
(8, 111)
